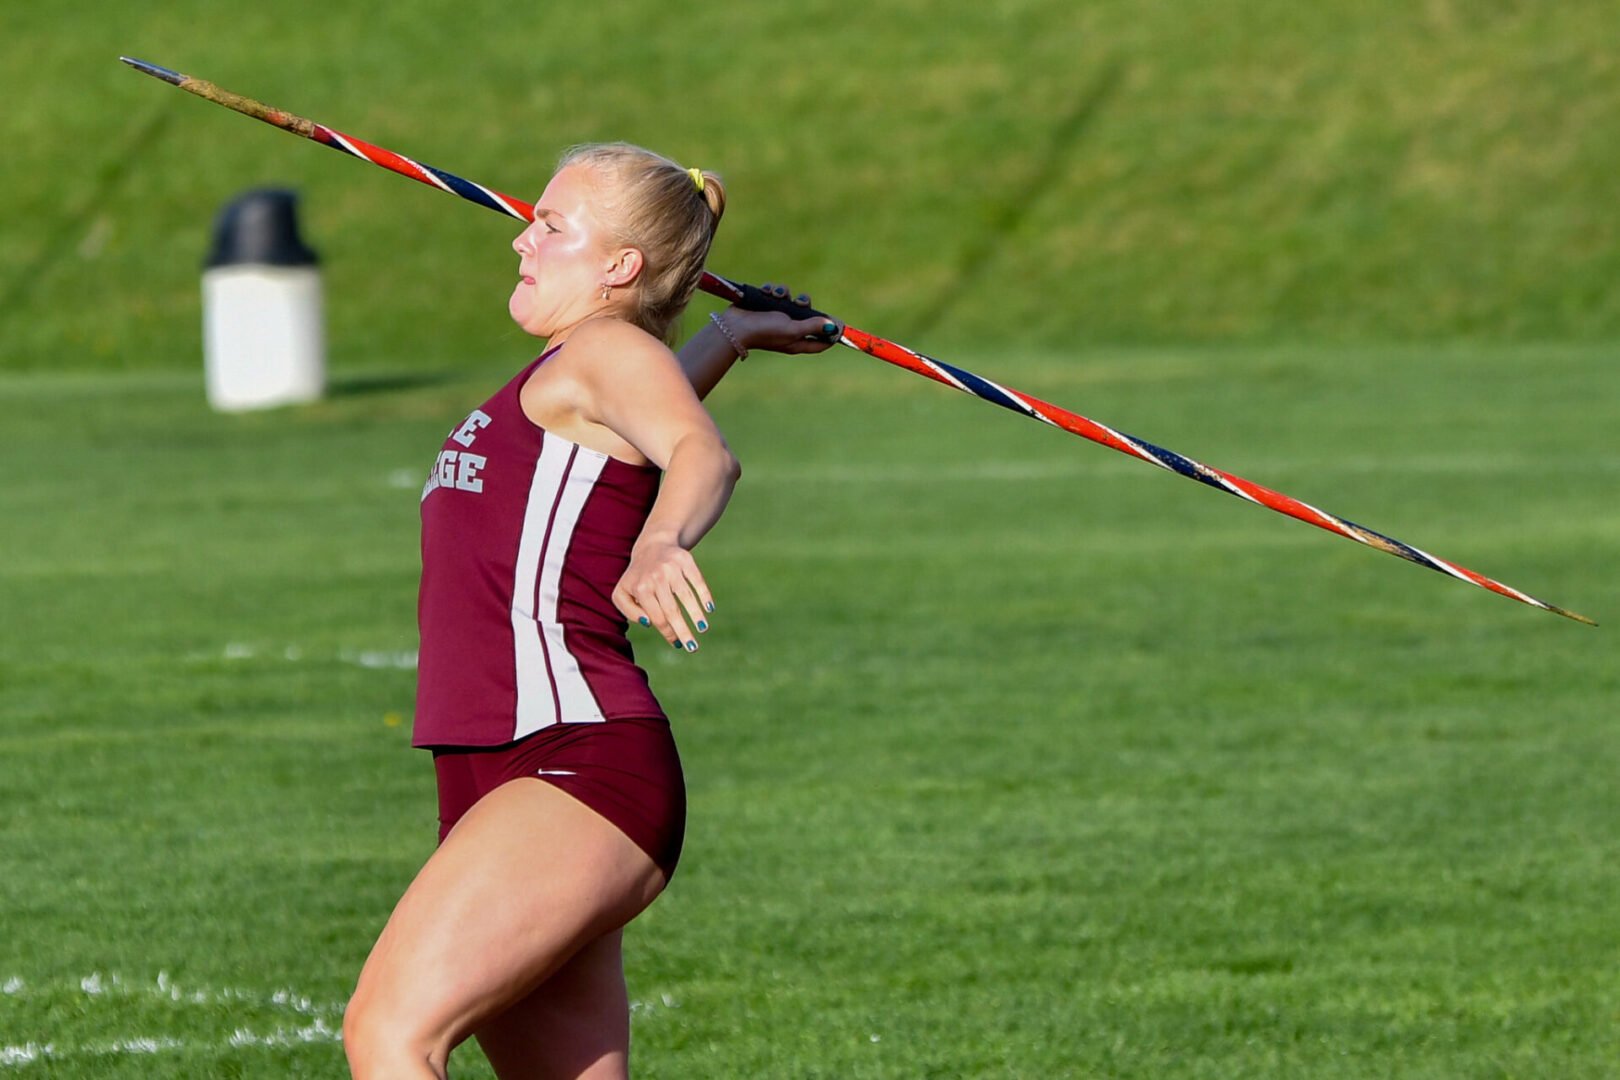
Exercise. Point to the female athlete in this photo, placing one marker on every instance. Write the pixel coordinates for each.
(557, 512)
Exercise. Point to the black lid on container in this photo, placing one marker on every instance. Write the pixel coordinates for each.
(261, 227)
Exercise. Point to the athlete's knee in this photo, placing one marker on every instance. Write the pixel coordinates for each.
(381, 1040)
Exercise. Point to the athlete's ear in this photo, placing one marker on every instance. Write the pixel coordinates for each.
(625, 267)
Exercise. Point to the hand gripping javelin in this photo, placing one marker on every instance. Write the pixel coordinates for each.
(749, 296)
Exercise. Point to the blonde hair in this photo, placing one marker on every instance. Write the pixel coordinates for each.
(650, 203)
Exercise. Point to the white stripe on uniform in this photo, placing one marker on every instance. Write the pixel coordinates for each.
(550, 686)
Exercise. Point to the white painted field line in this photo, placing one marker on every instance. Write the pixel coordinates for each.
(96, 984)
(323, 1027)
(395, 659)
(398, 659)
(319, 1030)
(11, 1056)
(664, 1000)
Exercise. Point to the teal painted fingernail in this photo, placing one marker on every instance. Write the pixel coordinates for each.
(691, 646)
(702, 625)
(678, 645)
(646, 621)
(710, 607)
(829, 328)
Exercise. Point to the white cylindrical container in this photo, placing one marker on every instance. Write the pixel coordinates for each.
(263, 343)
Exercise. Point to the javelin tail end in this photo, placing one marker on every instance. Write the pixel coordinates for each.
(153, 70)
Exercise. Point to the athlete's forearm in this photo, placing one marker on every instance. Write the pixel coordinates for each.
(706, 358)
(697, 484)
(713, 349)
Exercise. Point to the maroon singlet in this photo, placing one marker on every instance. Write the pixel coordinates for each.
(524, 536)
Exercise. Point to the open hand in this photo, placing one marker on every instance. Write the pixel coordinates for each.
(663, 588)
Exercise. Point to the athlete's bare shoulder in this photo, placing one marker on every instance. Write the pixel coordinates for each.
(608, 377)
(595, 353)
(613, 347)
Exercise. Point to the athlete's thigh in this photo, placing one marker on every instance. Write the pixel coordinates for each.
(573, 1026)
(526, 878)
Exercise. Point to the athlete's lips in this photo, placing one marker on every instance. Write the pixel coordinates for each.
(527, 280)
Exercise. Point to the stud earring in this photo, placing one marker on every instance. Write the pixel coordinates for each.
(606, 288)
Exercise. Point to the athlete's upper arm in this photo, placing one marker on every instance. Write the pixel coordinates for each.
(633, 385)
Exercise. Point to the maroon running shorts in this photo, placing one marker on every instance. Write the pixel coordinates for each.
(625, 770)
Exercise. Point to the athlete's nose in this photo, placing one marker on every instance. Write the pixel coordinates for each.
(521, 243)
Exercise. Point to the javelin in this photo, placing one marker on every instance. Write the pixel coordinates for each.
(749, 296)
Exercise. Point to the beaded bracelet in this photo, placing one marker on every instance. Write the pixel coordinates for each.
(725, 332)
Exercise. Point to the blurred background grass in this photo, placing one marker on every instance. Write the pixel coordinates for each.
(1041, 172)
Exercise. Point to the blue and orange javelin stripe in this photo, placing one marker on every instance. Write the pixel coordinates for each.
(880, 348)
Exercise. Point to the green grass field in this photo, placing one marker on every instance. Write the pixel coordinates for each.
(1031, 171)
(1009, 756)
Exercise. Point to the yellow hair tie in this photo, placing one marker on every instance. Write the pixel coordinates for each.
(697, 178)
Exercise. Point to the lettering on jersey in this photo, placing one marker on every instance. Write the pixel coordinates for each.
(458, 469)
(468, 431)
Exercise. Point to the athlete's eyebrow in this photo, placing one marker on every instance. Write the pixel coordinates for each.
(541, 214)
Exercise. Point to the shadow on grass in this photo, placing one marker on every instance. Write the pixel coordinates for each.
(382, 382)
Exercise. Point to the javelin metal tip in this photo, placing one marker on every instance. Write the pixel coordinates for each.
(153, 70)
